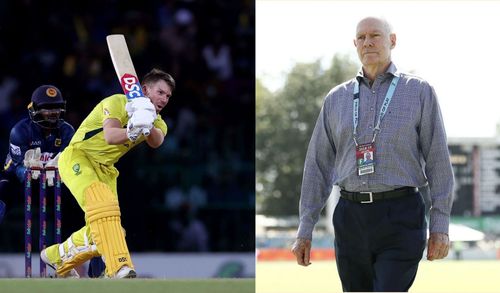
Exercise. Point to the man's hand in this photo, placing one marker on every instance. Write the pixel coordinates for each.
(32, 161)
(140, 104)
(437, 246)
(50, 168)
(302, 250)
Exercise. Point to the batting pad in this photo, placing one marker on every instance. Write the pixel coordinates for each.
(103, 216)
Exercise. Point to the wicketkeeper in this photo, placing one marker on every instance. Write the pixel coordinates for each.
(37, 140)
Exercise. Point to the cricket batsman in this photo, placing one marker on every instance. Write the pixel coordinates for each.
(86, 166)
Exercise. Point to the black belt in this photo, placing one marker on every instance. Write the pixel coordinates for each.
(369, 197)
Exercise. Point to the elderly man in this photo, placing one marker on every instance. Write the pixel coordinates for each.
(379, 221)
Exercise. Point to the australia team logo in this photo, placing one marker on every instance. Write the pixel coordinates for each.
(76, 169)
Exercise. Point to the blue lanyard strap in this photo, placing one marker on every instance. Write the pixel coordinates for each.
(383, 109)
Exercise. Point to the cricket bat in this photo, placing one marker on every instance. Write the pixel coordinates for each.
(124, 67)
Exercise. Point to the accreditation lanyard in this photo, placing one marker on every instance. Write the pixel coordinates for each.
(383, 109)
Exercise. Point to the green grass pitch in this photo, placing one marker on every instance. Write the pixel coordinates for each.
(127, 286)
(436, 276)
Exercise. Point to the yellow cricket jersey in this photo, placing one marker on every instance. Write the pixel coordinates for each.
(89, 137)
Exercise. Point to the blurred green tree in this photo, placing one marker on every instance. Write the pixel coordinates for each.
(284, 123)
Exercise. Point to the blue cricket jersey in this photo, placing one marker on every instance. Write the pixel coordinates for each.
(27, 135)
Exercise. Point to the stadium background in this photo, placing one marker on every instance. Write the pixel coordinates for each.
(201, 181)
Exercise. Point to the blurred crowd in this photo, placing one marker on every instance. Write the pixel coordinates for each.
(196, 192)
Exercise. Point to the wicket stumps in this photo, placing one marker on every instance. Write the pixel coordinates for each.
(42, 242)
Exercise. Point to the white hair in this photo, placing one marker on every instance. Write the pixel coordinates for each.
(386, 24)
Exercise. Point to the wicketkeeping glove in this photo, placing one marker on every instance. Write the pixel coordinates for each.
(51, 167)
(32, 161)
(140, 104)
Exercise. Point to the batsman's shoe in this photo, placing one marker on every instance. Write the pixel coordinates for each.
(124, 272)
(67, 256)
(70, 274)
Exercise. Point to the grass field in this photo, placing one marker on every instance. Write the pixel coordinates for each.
(127, 286)
(322, 277)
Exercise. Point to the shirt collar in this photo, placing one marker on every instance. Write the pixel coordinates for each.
(391, 70)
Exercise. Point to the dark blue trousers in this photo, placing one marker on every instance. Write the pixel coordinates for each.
(378, 245)
(96, 267)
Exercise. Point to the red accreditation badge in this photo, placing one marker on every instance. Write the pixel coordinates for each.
(365, 158)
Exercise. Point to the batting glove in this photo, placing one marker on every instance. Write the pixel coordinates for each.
(133, 133)
(140, 104)
(142, 119)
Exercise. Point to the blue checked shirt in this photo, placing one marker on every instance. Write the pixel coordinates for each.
(410, 150)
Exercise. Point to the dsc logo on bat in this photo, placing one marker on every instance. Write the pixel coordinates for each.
(131, 86)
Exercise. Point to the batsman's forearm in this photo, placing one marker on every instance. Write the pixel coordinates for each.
(155, 138)
(115, 135)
